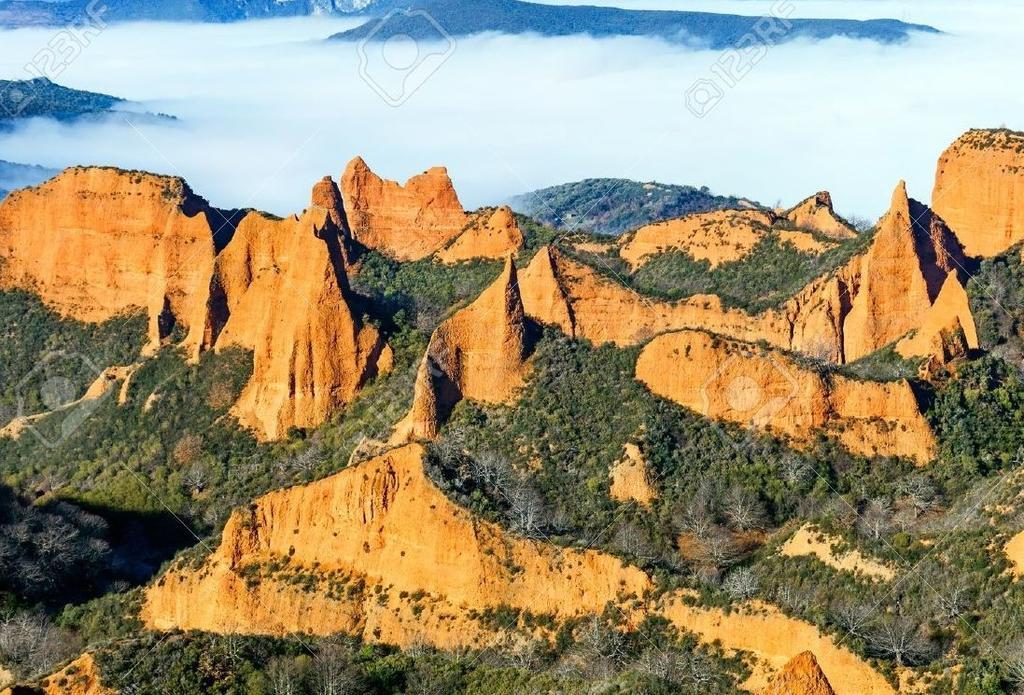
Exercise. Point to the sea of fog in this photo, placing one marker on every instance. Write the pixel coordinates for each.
(266, 108)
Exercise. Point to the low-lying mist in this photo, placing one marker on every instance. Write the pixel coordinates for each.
(266, 108)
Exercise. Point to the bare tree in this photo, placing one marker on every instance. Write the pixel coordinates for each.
(283, 674)
(332, 672)
(718, 548)
(876, 519)
(743, 509)
(195, 478)
(682, 669)
(30, 645)
(601, 648)
(900, 638)
(741, 584)
(796, 598)
(698, 515)
(528, 510)
(919, 491)
(635, 541)
(853, 616)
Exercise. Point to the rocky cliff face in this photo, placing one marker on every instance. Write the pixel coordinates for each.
(382, 523)
(80, 677)
(877, 298)
(95, 243)
(379, 552)
(816, 213)
(979, 190)
(489, 234)
(762, 388)
(801, 676)
(281, 291)
(407, 222)
(900, 276)
(478, 353)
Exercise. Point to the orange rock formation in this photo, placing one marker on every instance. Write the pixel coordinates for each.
(382, 522)
(281, 290)
(900, 276)
(720, 236)
(94, 243)
(816, 213)
(379, 552)
(80, 677)
(277, 287)
(979, 190)
(489, 234)
(407, 222)
(478, 353)
(763, 388)
(630, 479)
(947, 330)
(801, 676)
(717, 237)
(877, 298)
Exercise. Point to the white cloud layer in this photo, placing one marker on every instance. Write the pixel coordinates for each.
(266, 108)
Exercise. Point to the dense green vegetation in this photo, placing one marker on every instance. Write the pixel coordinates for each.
(93, 512)
(769, 275)
(42, 98)
(614, 206)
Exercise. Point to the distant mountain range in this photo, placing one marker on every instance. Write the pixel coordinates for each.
(13, 175)
(41, 98)
(15, 13)
(461, 18)
(614, 206)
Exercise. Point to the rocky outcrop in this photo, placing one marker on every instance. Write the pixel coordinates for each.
(489, 234)
(95, 243)
(377, 551)
(979, 190)
(407, 222)
(80, 677)
(816, 213)
(282, 291)
(478, 353)
(725, 236)
(717, 237)
(947, 330)
(774, 639)
(809, 541)
(276, 287)
(382, 523)
(877, 298)
(764, 389)
(800, 676)
(630, 478)
(900, 276)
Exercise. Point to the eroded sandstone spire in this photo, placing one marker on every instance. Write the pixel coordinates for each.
(478, 353)
(900, 276)
(800, 676)
(406, 222)
(283, 290)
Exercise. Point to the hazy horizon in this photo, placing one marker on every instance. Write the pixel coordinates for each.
(265, 108)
